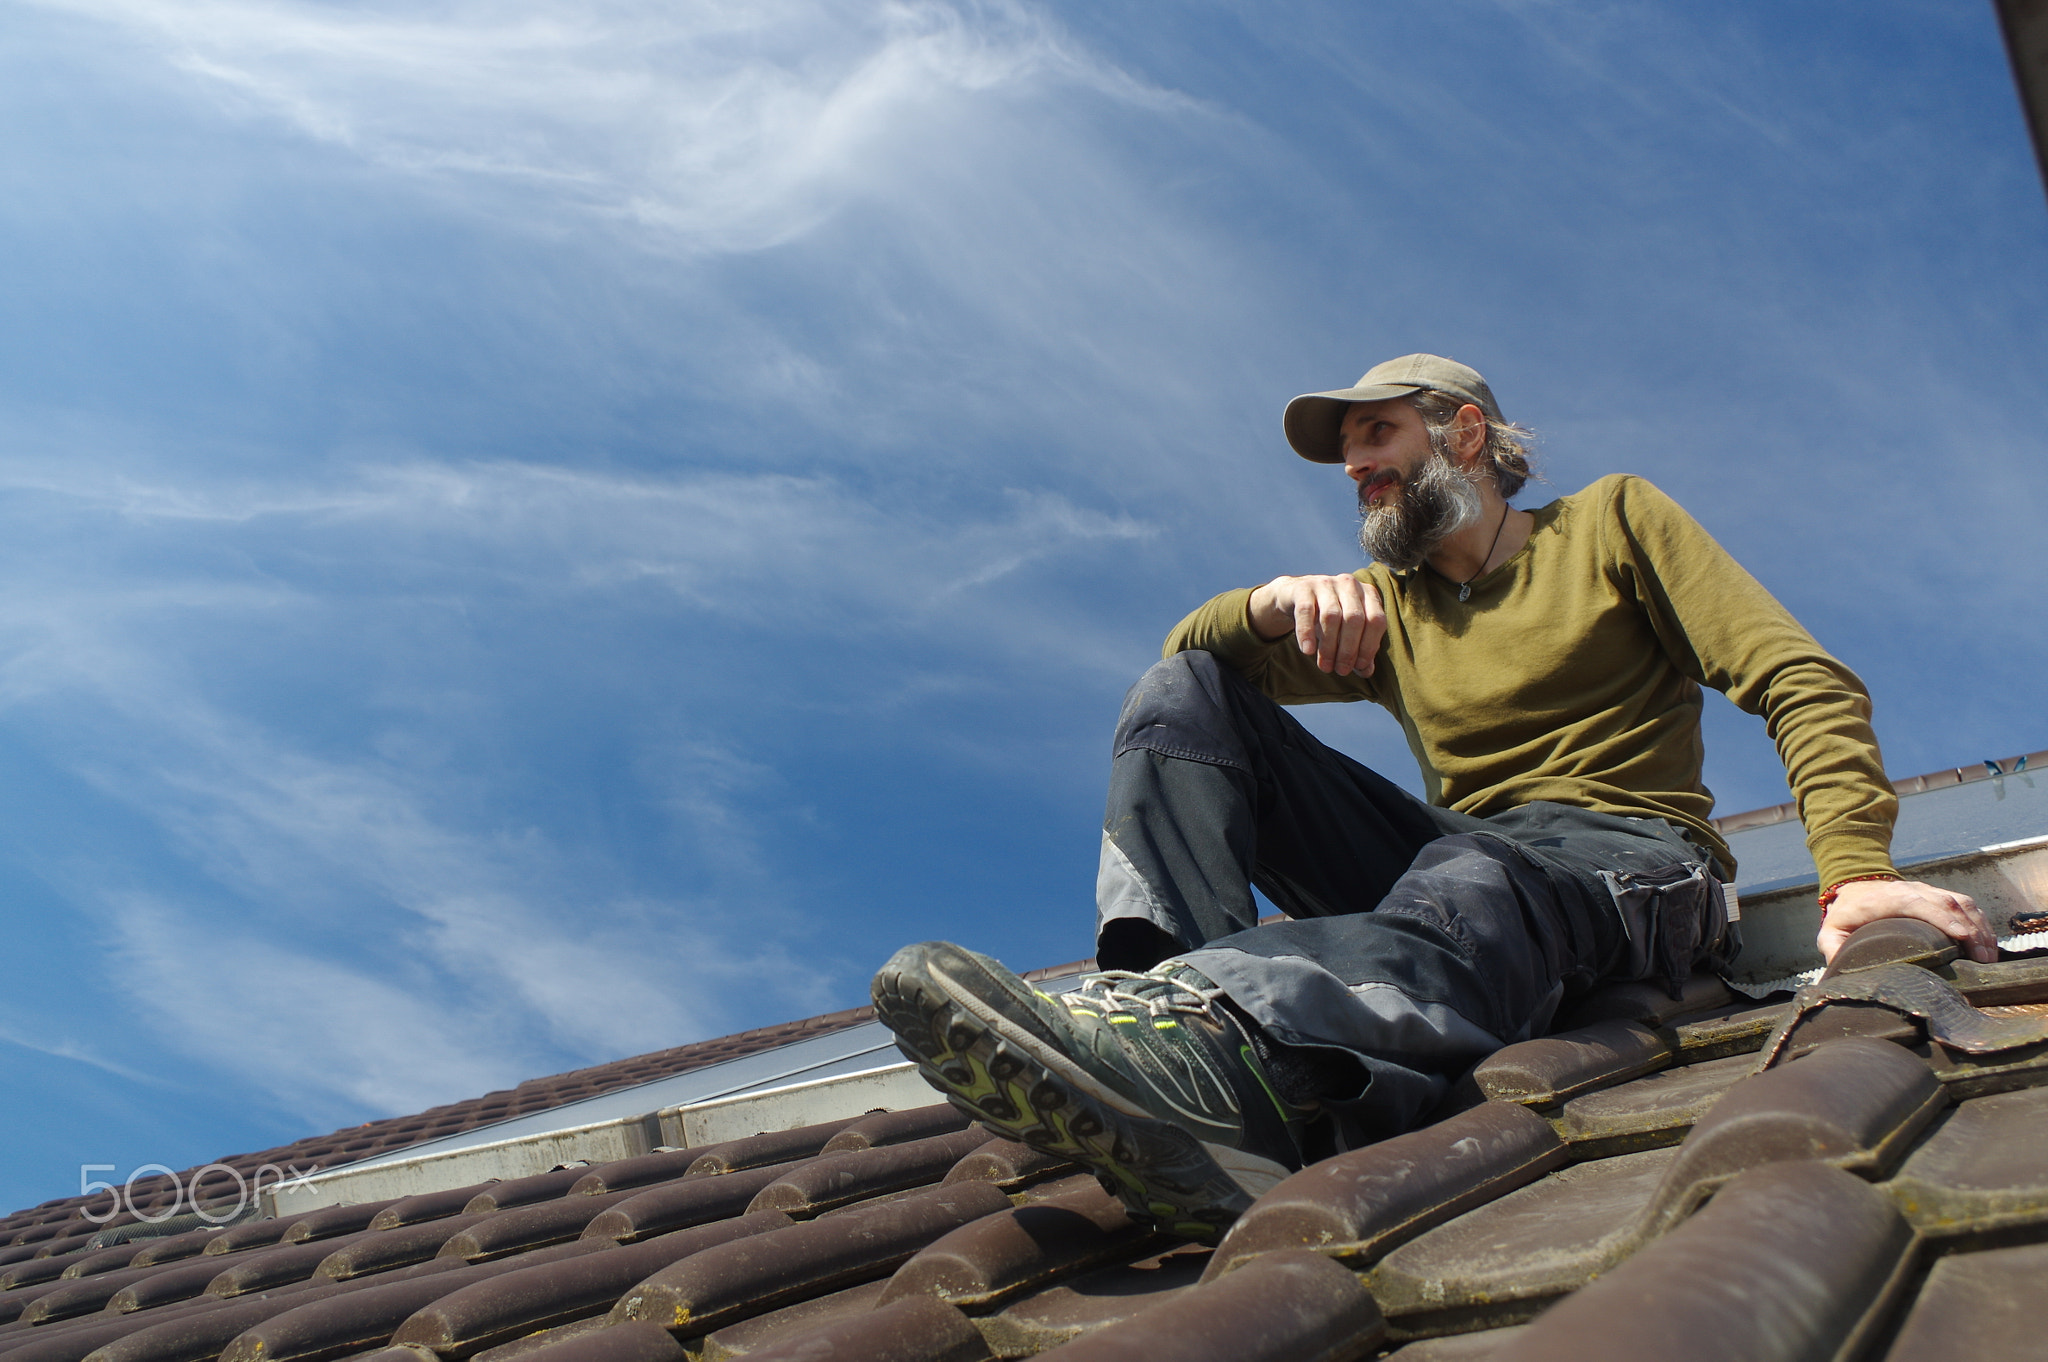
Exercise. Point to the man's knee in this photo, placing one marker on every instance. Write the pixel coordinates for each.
(1183, 707)
(1475, 888)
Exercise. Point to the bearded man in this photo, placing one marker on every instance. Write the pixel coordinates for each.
(1547, 668)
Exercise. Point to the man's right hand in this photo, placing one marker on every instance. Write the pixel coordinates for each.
(1338, 621)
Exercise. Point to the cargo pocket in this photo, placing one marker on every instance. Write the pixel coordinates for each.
(1675, 919)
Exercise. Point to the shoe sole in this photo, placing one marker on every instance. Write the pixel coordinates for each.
(1017, 1083)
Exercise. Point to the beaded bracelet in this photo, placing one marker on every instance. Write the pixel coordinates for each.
(1827, 895)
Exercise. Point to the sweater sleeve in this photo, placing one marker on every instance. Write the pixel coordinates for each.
(1279, 669)
(1723, 629)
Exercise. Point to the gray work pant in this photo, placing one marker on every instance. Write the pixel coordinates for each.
(1419, 941)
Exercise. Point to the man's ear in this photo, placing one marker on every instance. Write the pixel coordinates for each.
(1468, 433)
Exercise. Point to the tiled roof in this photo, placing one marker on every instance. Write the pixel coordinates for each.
(401, 1132)
(150, 1195)
(1855, 1173)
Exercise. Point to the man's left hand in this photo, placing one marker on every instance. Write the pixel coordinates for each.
(1864, 901)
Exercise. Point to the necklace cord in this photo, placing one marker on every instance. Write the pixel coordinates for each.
(1465, 587)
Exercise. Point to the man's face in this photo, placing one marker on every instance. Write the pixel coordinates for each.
(1411, 497)
(1384, 444)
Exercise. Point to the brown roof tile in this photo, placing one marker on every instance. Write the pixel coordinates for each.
(915, 1329)
(418, 1210)
(90, 1264)
(353, 1321)
(381, 1250)
(736, 1280)
(1855, 1104)
(1983, 1169)
(34, 1270)
(167, 1336)
(1362, 1204)
(897, 1127)
(775, 1146)
(1895, 941)
(1977, 1305)
(561, 1333)
(741, 1339)
(1843, 1021)
(1503, 1262)
(643, 1170)
(333, 1221)
(59, 1343)
(524, 1227)
(1739, 1029)
(1470, 1347)
(1279, 1307)
(2010, 981)
(1491, 1215)
(184, 1280)
(250, 1234)
(623, 1343)
(1787, 1263)
(1552, 1068)
(526, 1300)
(1007, 1164)
(241, 1273)
(1072, 1309)
(1000, 1256)
(83, 1295)
(848, 1175)
(686, 1202)
(1657, 1109)
(500, 1196)
(173, 1248)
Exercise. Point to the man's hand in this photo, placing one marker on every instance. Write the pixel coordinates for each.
(1338, 621)
(1863, 901)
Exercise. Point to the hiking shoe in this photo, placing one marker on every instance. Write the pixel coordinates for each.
(1138, 1076)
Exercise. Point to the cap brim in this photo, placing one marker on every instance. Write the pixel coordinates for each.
(1313, 421)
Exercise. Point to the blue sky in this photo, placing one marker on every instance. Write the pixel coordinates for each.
(540, 531)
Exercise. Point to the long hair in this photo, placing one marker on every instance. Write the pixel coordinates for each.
(1507, 444)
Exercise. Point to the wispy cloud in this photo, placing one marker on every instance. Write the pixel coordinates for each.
(25, 1038)
(717, 540)
(715, 125)
(357, 953)
(387, 941)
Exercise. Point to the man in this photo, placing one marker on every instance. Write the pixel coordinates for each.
(1546, 666)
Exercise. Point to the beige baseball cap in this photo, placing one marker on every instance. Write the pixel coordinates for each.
(1312, 420)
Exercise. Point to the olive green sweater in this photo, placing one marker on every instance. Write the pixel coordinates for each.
(1573, 674)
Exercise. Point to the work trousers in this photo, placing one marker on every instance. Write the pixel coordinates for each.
(1418, 940)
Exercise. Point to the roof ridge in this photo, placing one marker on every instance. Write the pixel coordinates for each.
(1909, 785)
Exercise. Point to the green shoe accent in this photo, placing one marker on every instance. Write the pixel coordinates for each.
(1149, 1108)
(1258, 1071)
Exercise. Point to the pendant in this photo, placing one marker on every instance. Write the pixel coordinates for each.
(1464, 591)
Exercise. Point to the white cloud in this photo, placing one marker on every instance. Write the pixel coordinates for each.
(359, 953)
(317, 1037)
(1016, 212)
(722, 541)
(77, 1053)
(717, 125)
(381, 936)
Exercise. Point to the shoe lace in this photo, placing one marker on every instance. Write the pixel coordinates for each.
(1128, 991)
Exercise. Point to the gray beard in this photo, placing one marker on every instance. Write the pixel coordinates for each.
(1429, 508)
